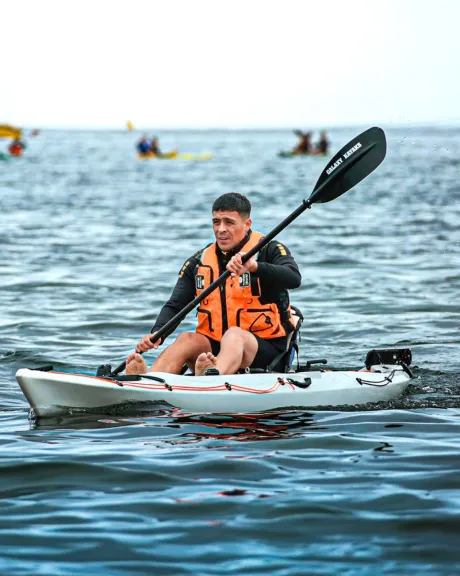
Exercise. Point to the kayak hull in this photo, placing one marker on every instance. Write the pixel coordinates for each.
(151, 156)
(175, 155)
(7, 131)
(54, 393)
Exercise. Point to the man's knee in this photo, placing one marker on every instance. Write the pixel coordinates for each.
(186, 338)
(192, 343)
(235, 333)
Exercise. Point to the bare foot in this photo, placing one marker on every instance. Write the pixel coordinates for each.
(135, 364)
(203, 362)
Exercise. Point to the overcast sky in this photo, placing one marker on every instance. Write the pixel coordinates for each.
(241, 63)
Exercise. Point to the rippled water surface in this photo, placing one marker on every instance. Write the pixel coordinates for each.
(91, 243)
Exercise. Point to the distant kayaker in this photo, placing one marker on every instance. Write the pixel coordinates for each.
(304, 145)
(143, 146)
(17, 147)
(322, 146)
(155, 147)
(243, 323)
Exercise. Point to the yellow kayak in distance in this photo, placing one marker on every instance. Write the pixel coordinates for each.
(7, 131)
(175, 155)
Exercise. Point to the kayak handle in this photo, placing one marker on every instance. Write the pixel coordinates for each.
(305, 384)
(311, 362)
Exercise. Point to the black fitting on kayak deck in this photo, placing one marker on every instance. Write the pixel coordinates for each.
(149, 377)
(407, 370)
(211, 372)
(305, 384)
(388, 356)
(135, 378)
(380, 383)
(311, 362)
(104, 370)
(253, 371)
(307, 367)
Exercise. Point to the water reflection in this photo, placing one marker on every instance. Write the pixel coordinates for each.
(246, 427)
(193, 428)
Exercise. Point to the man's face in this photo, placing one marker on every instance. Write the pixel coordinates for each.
(229, 228)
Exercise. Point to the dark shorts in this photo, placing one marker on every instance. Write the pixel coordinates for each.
(267, 351)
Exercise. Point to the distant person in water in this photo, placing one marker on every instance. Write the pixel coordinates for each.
(322, 146)
(17, 147)
(155, 147)
(143, 146)
(304, 145)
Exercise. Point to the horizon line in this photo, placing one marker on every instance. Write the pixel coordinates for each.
(418, 124)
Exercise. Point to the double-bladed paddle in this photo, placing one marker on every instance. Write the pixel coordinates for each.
(350, 165)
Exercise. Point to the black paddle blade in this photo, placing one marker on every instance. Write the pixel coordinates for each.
(353, 163)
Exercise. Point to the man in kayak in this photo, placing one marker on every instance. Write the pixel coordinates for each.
(155, 146)
(143, 146)
(245, 322)
(17, 147)
(304, 145)
(322, 146)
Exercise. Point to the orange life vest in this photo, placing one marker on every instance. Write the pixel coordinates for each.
(235, 303)
(15, 150)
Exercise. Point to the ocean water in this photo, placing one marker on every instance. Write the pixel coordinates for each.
(91, 243)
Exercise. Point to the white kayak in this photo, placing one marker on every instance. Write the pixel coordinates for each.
(51, 393)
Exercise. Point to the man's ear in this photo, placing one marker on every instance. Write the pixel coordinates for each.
(248, 224)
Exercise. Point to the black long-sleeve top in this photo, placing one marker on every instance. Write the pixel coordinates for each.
(277, 272)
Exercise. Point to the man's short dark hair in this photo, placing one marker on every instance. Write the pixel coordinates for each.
(233, 202)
